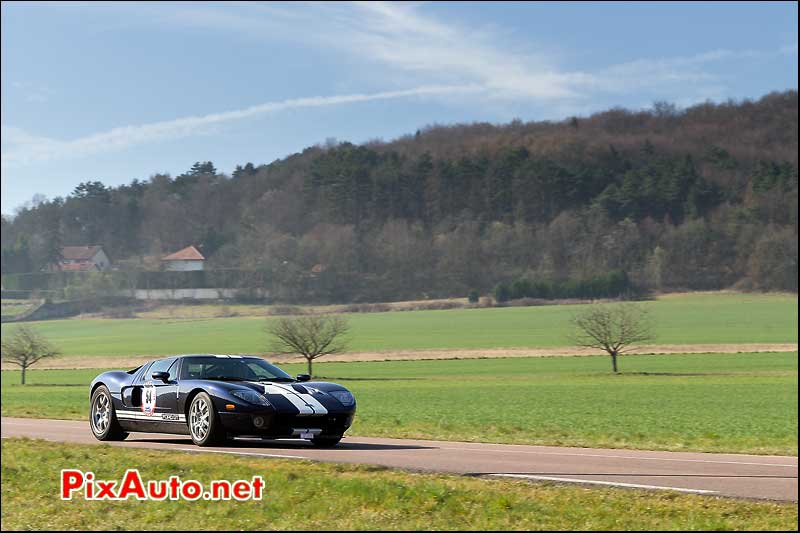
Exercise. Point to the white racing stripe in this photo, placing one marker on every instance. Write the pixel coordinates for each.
(315, 404)
(305, 403)
(608, 483)
(155, 417)
(298, 402)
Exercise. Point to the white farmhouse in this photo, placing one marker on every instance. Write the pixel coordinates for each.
(184, 260)
(83, 259)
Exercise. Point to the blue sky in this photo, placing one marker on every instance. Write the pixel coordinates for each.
(117, 91)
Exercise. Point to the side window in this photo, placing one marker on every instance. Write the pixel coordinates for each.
(173, 369)
(143, 374)
(162, 365)
(191, 369)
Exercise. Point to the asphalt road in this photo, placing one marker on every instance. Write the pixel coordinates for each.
(741, 476)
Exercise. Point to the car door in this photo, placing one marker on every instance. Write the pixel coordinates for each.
(160, 397)
(168, 394)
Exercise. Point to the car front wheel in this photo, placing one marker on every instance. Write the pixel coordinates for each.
(204, 424)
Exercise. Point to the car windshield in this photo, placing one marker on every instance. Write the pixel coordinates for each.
(231, 369)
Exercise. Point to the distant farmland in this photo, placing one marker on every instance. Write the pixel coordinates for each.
(681, 319)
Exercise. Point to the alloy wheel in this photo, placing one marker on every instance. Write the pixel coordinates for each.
(101, 414)
(199, 419)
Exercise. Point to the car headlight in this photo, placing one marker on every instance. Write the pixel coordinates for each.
(251, 396)
(344, 397)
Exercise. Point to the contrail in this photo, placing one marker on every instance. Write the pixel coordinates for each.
(27, 148)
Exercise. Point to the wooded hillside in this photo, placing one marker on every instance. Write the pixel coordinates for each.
(701, 198)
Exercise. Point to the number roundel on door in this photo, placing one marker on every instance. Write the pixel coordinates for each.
(149, 399)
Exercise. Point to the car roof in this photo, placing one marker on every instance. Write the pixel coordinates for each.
(183, 356)
(222, 356)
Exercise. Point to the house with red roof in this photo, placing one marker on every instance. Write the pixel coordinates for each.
(188, 258)
(83, 259)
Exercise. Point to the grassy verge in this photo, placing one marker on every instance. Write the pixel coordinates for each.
(739, 403)
(687, 319)
(311, 496)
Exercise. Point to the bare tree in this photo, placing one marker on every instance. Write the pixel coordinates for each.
(25, 347)
(614, 328)
(311, 336)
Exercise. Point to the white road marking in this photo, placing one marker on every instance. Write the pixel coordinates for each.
(673, 459)
(609, 483)
(275, 455)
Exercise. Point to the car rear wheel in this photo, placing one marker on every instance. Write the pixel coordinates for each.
(327, 441)
(204, 425)
(103, 416)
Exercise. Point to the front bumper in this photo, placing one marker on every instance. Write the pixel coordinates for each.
(284, 425)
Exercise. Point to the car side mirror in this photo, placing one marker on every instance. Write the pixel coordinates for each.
(303, 377)
(163, 376)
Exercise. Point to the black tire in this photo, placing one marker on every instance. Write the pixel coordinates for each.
(326, 442)
(204, 424)
(103, 417)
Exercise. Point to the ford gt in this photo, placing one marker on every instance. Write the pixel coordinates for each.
(217, 397)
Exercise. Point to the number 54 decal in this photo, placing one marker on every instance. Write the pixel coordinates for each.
(149, 399)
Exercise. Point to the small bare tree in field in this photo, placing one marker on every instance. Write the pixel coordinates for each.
(311, 336)
(25, 347)
(614, 328)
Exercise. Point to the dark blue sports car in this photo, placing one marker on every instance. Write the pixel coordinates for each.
(215, 397)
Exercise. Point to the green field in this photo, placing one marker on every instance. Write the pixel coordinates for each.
(314, 496)
(744, 403)
(681, 319)
(10, 308)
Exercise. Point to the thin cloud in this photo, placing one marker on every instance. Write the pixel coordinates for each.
(402, 36)
(398, 36)
(27, 148)
(406, 39)
(450, 58)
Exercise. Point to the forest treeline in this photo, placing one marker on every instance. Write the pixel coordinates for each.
(698, 198)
